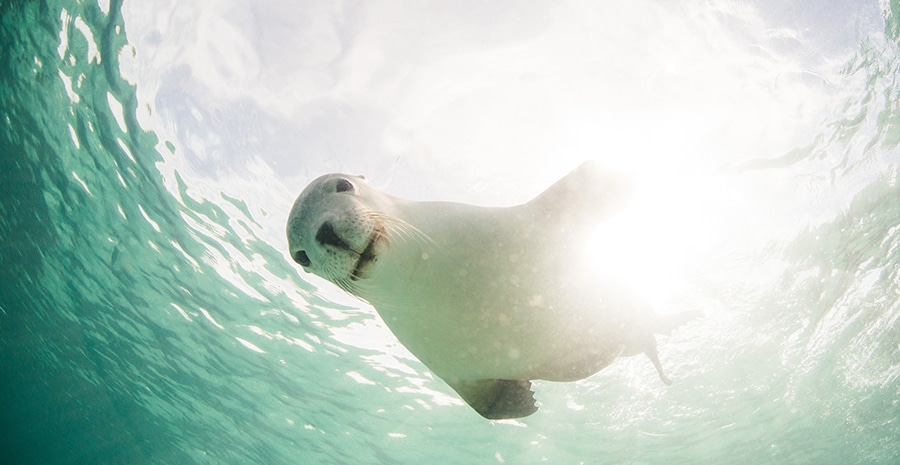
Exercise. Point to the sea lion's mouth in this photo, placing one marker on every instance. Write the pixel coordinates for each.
(367, 257)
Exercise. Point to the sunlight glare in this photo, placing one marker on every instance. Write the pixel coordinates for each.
(650, 245)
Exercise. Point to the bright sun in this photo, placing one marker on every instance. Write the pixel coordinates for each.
(650, 244)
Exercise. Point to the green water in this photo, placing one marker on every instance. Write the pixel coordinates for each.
(146, 319)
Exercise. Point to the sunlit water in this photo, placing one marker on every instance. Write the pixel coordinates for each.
(150, 153)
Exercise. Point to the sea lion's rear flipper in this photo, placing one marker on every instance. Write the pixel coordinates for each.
(582, 198)
(653, 355)
(497, 399)
(664, 325)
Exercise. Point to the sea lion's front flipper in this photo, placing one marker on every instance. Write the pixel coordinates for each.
(497, 399)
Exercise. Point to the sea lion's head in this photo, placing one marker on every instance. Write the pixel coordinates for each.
(336, 229)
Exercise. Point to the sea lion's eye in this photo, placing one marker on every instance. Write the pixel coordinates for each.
(301, 258)
(343, 185)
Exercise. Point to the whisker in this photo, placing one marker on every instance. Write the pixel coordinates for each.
(347, 285)
(396, 228)
(392, 229)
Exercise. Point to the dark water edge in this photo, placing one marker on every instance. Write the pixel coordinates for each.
(50, 414)
(97, 263)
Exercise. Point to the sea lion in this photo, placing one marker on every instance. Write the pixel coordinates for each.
(487, 298)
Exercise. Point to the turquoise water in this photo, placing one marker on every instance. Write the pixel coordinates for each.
(149, 313)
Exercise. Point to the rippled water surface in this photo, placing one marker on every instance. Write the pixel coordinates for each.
(151, 151)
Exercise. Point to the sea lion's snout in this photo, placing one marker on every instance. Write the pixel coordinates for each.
(327, 236)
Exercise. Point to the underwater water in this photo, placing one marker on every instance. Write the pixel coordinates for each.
(150, 151)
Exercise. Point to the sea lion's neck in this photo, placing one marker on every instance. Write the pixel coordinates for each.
(446, 246)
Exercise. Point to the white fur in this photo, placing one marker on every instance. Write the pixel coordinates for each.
(481, 293)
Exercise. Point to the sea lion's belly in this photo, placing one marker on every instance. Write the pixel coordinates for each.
(496, 317)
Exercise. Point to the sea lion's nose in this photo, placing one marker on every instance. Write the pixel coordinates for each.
(301, 258)
(327, 236)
